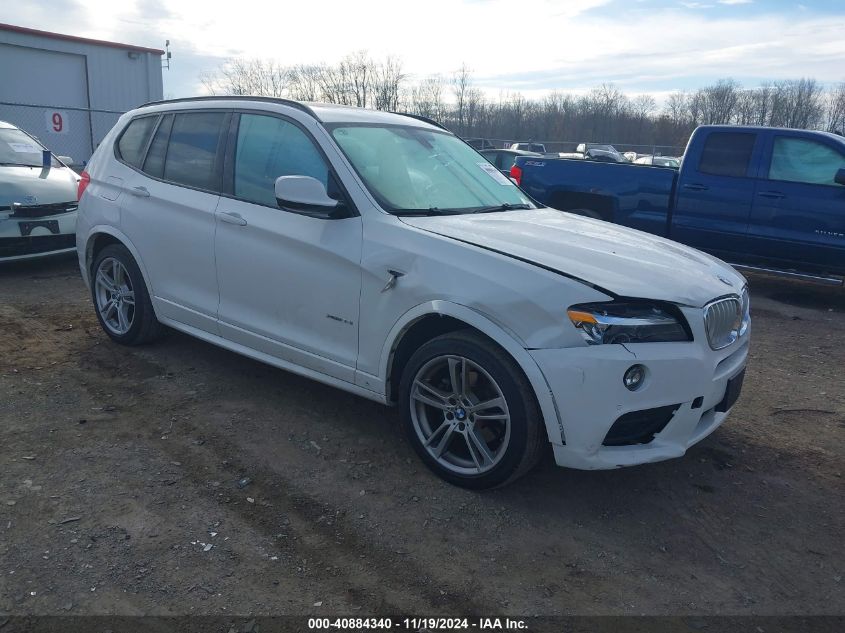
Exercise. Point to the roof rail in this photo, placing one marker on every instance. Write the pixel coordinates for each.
(424, 119)
(288, 102)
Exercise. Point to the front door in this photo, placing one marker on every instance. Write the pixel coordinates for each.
(289, 283)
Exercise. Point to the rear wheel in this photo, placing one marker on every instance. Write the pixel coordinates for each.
(120, 297)
(469, 411)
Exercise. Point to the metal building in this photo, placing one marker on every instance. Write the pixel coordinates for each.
(68, 91)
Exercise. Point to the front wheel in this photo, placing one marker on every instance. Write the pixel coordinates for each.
(469, 411)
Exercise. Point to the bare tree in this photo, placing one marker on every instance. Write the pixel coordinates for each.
(474, 108)
(389, 79)
(605, 114)
(835, 111)
(461, 85)
(676, 107)
(427, 97)
(304, 83)
(241, 76)
(718, 101)
(797, 103)
(358, 75)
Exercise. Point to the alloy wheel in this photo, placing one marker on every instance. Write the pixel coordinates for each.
(460, 414)
(115, 296)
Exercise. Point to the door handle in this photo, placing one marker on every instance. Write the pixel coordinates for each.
(141, 192)
(232, 218)
(694, 186)
(771, 194)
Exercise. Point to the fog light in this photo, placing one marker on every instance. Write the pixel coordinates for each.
(634, 377)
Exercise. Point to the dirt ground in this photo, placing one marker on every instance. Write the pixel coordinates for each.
(120, 471)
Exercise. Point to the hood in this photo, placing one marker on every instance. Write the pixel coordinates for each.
(620, 260)
(47, 186)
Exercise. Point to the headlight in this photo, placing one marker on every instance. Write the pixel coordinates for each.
(628, 322)
(746, 311)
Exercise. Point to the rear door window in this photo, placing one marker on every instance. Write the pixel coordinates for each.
(193, 153)
(727, 154)
(134, 139)
(803, 160)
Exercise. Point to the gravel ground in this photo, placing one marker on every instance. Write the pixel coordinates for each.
(181, 479)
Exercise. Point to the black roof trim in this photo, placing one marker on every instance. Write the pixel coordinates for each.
(422, 118)
(288, 102)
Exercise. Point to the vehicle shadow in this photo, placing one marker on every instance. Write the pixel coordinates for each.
(47, 266)
(797, 293)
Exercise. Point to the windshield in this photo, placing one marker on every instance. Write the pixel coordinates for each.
(18, 148)
(409, 169)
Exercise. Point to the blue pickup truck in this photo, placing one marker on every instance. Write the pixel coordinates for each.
(760, 198)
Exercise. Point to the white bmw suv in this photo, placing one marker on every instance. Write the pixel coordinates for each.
(380, 254)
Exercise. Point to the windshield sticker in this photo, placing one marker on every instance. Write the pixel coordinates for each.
(495, 174)
(24, 148)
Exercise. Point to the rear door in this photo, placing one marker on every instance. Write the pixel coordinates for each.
(168, 212)
(715, 191)
(798, 218)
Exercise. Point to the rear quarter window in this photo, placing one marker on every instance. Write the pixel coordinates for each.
(727, 154)
(133, 141)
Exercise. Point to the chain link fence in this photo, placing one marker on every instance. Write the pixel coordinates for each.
(64, 130)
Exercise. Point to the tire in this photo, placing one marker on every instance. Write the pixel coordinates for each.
(513, 432)
(587, 213)
(126, 323)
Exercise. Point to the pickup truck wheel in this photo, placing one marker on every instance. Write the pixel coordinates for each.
(469, 411)
(120, 297)
(587, 213)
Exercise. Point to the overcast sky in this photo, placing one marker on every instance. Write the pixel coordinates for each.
(531, 46)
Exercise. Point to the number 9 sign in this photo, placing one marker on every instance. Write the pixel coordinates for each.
(57, 122)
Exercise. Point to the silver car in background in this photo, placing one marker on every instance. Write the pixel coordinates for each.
(37, 198)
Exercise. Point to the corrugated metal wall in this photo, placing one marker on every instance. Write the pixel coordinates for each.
(69, 94)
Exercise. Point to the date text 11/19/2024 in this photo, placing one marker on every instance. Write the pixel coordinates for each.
(418, 624)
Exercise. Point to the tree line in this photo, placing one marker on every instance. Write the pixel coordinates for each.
(604, 114)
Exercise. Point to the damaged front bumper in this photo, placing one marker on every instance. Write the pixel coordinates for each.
(687, 393)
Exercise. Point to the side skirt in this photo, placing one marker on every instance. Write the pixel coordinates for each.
(275, 362)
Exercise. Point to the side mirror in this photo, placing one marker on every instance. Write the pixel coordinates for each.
(840, 177)
(67, 160)
(306, 194)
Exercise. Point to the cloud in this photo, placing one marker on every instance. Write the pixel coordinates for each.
(660, 50)
(539, 47)
(735, 1)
